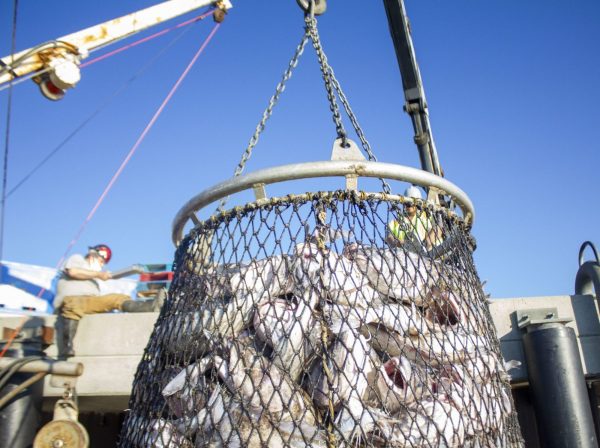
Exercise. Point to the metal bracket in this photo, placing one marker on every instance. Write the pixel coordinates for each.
(350, 152)
(259, 191)
(66, 409)
(538, 316)
(63, 381)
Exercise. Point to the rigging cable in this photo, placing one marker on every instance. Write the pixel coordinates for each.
(54, 44)
(106, 103)
(134, 148)
(7, 141)
(146, 39)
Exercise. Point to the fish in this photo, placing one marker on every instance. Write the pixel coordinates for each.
(349, 366)
(160, 433)
(291, 330)
(265, 279)
(384, 340)
(437, 348)
(401, 319)
(443, 307)
(486, 408)
(185, 393)
(401, 383)
(225, 422)
(483, 405)
(401, 275)
(390, 327)
(261, 385)
(351, 372)
(426, 424)
(194, 332)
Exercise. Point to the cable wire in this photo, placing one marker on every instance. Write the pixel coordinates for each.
(24, 385)
(7, 142)
(8, 371)
(146, 39)
(105, 104)
(136, 145)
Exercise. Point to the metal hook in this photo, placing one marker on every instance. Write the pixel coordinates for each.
(313, 7)
(582, 249)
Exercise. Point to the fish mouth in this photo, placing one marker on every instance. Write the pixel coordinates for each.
(443, 309)
(395, 372)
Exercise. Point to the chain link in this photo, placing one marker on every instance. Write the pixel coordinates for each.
(311, 28)
(268, 112)
(357, 128)
(332, 85)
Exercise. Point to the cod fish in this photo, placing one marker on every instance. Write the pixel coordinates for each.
(391, 325)
(351, 371)
(226, 423)
(193, 332)
(404, 276)
(443, 308)
(484, 406)
(440, 348)
(400, 383)
(349, 365)
(430, 423)
(290, 330)
(261, 385)
(185, 393)
(264, 279)
(345, 284)
(162, 434)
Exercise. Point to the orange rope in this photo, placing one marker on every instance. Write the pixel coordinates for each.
(133, 149)
(13, 336)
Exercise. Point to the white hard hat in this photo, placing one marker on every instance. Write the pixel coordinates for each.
(413, 192)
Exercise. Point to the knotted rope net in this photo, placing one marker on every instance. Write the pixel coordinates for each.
(324, 320)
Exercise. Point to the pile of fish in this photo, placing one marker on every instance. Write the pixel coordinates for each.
(366, 346)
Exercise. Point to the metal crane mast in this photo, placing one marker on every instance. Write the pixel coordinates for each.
(416, 104)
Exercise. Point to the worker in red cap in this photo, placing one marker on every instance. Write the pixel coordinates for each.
(78, 294)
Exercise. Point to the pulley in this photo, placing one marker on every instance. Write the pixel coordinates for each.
(63, 74)
(64, 431)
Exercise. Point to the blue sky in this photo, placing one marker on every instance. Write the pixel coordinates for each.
(512, 89)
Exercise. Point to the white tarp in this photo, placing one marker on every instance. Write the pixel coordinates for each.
(27, 287)
(15, 299)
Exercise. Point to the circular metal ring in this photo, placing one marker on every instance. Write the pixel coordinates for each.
(320, 6)
(328, 168)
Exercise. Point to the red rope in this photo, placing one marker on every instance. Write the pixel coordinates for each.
(14, 334)
(146, 39)
(134, 148)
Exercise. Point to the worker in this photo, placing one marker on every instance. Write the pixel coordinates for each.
(413, 230)
(78, 294)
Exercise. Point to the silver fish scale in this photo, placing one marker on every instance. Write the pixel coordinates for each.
(302, 324)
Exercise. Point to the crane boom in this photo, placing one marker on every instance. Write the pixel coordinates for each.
(414, 94)
(80, 43)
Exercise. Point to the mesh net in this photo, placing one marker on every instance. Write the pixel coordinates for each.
(325, 319)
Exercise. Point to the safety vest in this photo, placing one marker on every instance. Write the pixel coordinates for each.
(418, 226)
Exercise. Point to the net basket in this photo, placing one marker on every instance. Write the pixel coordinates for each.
(324, 320)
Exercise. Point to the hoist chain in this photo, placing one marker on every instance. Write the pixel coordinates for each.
(332, 85)
(267, 113)
(331, 79)
(311, 28)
